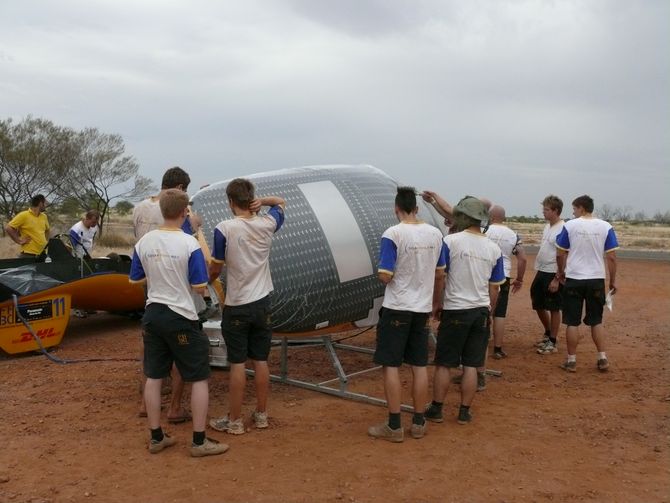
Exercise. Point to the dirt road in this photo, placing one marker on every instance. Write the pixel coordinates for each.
(70, 432)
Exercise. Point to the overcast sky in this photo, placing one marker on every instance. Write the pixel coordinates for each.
(512, 100)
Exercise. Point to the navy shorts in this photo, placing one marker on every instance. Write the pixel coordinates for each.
(541, 297)
(247, 331)
(402, 336)
(503, 299)
(169, 337)
(580, 292)
(462, 337)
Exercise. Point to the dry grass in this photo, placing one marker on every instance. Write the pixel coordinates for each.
(636, 237)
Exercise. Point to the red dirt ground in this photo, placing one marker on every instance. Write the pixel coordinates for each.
(70, 432)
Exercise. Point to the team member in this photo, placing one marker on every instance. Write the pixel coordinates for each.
(545, 291)
(173, 264)
(83, 233)
(581, 265)
(510, 244)
(244, 243)
(147, 216)
(474, 271)
(411, 265)
(30, 229)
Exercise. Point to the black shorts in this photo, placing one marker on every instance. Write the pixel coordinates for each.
(503, 298)
(578, 292)
(247, 331)
(402, 336)
(169, 337)
(462, 338)
(541, 297)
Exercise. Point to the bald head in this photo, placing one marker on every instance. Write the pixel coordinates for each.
(486, 202)
(497, 214)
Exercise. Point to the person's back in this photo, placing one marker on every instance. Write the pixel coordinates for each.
(581, 247)
(166, 257)
(471, 258)
(587, 238)
(411, 264)
(173, 264)
(507, 240)
(243, 245)
(247, 242)
(417, 249)
(147, 216)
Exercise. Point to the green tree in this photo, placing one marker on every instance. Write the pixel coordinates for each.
(33, 153)
(124, 207)
(102, 173)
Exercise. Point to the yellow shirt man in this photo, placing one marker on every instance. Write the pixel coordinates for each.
(30, 229)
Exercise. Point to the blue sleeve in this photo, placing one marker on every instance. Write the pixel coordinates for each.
(75, 239)
(446, 256)
(136, 269)
(442, 259)
(186, 226)
(563, 240)
(277, 213)
(498, 273)
(197, 268)
(388, 254)
(611, 242)
(219, 252)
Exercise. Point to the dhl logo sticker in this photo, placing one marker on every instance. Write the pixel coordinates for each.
(42, 333)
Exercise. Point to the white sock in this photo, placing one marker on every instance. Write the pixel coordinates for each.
(602, 356)
(572, 358)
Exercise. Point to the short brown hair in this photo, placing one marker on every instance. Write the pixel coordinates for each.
(553, 202)
(92, 214)
(174, 177)
(241, 192)
(173, 202)
(585, 202)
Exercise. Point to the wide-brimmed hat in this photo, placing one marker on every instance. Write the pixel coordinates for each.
(472, 207)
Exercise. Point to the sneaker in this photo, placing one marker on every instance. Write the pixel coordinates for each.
(260, 419)
(155, 446)
(499, 354)
(603, 364)
(547, 349)
(224, 424)
(433, 414)
(481, 381)
(385, 432)
(569, 366)
(542, 342)
(210, 447)
(418, 430)
(464, 416)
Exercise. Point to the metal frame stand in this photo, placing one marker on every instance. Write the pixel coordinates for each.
(342, 379)
(327, 387)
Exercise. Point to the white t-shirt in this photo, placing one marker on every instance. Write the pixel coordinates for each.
(411, 252)
(546, 255)
(244, 245)
(81, 238)
(172, 263)
(147, 216)
(473, 262)
(586, 239)
(507, 240)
